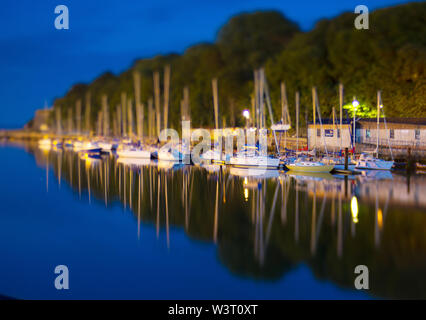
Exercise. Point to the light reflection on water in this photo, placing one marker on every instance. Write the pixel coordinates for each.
(264, 226)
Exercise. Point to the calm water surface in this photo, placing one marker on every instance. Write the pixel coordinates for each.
(157, 231)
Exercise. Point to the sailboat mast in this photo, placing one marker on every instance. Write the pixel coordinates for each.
(166, 95)
(334, 124)
(157, 100)
(138, 105)
(105, 115)
(341, 112)
(314, 119)
(378, 122)
(87, 112)
(215, 103)
(78, 115)
(297, 120)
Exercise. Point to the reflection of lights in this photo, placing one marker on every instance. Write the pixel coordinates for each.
(245, 181)
(246, 114)
(380, 218)
(246, 194)
(354, 209)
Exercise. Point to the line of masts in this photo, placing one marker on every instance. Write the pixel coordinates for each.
(130, 117)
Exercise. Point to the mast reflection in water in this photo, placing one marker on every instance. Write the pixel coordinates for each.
(162, 230)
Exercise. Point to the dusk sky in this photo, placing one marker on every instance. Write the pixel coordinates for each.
(39, 63)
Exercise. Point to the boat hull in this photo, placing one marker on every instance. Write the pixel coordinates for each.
(254, 162)
(382, 165)
(298, 168)
(134, 154)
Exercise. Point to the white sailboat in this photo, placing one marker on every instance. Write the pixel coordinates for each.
(250, 156)
(367, 161)
(133, 152)
(45, 142)
(107, 146)
(137, 162)
(214, 156)
(169, 154)
(86, 146)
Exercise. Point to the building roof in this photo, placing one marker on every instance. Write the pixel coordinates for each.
(415, 121)
(406, 121)
(330, 121)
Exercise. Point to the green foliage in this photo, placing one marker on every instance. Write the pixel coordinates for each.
(362, 111)
(390, 56)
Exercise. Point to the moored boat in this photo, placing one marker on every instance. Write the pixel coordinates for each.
(367, 161)
(251, 157)
(133, 152)
(310, 166)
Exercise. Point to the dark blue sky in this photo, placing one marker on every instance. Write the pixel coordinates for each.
(38, 62)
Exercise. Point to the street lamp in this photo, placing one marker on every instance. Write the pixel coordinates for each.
(246, 114)
(355, 104)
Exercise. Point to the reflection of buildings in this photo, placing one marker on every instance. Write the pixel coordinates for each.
(263, 226)
(401, 190)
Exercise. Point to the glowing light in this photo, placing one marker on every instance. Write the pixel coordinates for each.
(355, 103)
(246, 194)
(245, 181)
(380, 218)
(381, 106)
(354, 209)
(246, 114)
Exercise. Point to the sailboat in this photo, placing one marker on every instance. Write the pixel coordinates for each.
(170, 154)
(107, 146)
(86, 146)
(250, 156)
(129, 151)
(301, 165)
(306, 164)
(213, 156)
(366, 160)
(45, 142)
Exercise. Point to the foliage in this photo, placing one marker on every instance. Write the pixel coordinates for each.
(390, 56)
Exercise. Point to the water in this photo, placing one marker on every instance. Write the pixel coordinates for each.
(190, 232)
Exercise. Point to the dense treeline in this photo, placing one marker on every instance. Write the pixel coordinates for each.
(390, 55)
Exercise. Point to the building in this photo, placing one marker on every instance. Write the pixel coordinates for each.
(402, 133)
(41, 119)
(396, 132)
(329, 134)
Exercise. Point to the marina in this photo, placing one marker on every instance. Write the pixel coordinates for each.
(219, 157)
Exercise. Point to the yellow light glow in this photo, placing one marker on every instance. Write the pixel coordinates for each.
(380, 218)
(245, 181)
(354, 209)
(246, 194)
